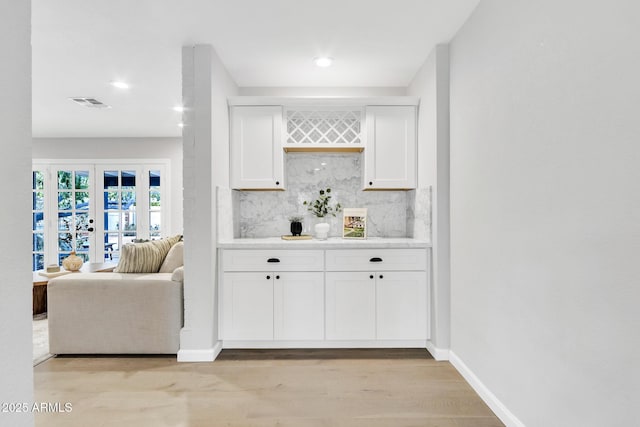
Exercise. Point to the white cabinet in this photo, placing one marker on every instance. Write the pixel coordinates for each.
(273, 305)
(257, 159)
(401, 305)
(391, 148)
(248, 306)
(358, 297)
(272, 295)
(298, 308)
(377, 294)
(351, 306)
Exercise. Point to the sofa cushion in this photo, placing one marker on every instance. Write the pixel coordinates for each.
(174, 258)
(178, 274)
(145, 257)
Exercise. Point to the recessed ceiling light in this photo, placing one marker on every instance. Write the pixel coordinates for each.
(178, 108)
(119, 84)
(180, 125)
(323, 61)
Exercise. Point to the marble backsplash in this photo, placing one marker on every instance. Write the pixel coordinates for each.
(254, 214)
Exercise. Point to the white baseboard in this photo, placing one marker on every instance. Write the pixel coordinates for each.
(437, 353)
(485, 394)
(200, 355)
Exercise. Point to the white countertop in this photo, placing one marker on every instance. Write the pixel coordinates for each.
(331, 243)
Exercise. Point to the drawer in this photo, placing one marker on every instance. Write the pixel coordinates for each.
(272, 260)
(376, 260)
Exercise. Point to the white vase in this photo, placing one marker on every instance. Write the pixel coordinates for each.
(322, 230)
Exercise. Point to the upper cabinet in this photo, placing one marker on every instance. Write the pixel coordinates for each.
(391, 148)
(262, 129)
(257, 159)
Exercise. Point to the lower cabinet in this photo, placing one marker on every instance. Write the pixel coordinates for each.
(248, 306)
(390, 305)
(351, 306)
(378, 298)
(298, 306)
(401, 305)
(273, 305)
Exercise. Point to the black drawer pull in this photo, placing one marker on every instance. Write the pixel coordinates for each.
(273, 260)
(268, 277)
(375, 259)
(371, 276)
(277, 277)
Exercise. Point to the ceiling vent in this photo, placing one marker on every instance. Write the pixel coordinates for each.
(90, 102)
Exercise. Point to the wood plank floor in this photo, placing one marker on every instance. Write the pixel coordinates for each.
(327, 388)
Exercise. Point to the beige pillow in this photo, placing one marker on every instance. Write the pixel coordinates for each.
(144, 257)
(174, 258)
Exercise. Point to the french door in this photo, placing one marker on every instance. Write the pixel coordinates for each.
(93, 209)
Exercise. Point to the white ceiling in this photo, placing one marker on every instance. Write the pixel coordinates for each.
(80, 46)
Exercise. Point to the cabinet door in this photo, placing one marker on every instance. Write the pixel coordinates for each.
(390, 153)
(351, 306)
(298, 306)
(247, 306)
(401, 305)
(256, 148)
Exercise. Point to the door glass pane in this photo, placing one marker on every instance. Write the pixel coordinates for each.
(82, 200)
(38, 200)
(82, 242)
(111, 200)
(155, 204)
(128, 180)
(119, 211)
(82, 180)
(64, 180)
(64, 221)
(65, 200)
(37, 220)
(111, 180)
(65, 243)
(112, 221)
(38, 242)
(73, 213)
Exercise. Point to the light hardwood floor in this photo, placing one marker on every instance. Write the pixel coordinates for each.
(361, 388)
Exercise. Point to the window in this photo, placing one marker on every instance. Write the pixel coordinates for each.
(94, 209)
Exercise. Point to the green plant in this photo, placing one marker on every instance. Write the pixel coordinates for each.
(321, 206)
(295, 218)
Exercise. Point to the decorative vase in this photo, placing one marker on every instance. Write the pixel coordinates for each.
(296, 228)
(322, 230)
(72, 262)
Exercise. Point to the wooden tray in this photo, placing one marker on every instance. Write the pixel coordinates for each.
(302, 237)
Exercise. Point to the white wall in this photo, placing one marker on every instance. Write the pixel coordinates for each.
(206, 86)
(545, 208)
(122, 148)
(16, 366)
(431, 84)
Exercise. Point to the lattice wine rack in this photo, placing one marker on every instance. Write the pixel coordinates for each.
(324, 128)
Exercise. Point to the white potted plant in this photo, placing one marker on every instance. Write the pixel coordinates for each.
(321, 208)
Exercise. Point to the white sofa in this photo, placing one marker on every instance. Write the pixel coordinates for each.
(116, 313)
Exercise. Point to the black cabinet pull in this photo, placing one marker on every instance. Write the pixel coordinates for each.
(381, 276)
(371, 276)
(375, 259)
(268, 277)
(370, 182)
(277, 277)
(277, 182)
(273, 260)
